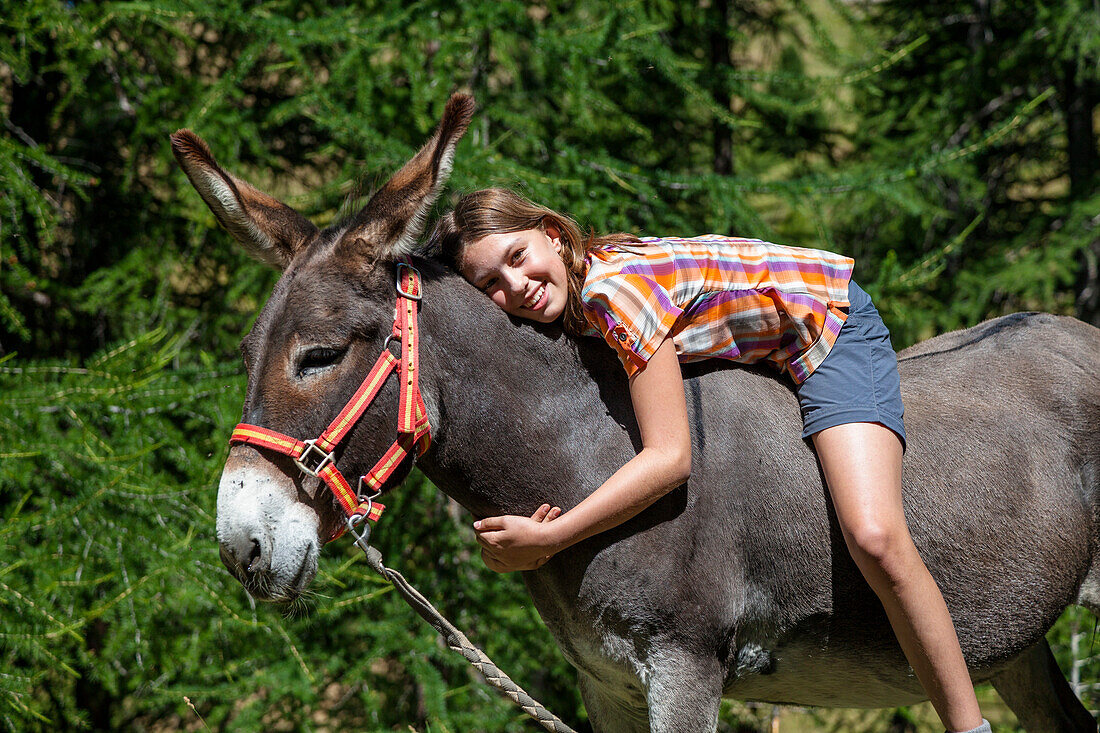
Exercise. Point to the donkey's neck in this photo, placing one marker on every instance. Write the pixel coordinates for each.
(521, 419)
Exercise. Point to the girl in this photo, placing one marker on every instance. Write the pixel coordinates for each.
(661, 301)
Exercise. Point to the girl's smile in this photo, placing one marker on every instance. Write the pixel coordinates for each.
(522, 272)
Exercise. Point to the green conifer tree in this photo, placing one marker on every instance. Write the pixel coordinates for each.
(121, 302)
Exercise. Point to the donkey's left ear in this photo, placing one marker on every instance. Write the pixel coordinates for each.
(394, 217)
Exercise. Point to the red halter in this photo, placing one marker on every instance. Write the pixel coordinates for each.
(316, 457)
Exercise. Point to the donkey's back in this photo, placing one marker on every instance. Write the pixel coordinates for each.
(1004, 424)
(1001, 477)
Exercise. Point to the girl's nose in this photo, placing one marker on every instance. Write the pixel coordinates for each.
(515, 281)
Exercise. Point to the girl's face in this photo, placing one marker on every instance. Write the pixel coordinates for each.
(521, 271)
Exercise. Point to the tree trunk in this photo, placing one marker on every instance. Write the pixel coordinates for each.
(720, 60)
(1082, 166)
(1080, 134)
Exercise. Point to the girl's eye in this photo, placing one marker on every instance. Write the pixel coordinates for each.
(518, 255)
(318, 360)
(488, 285)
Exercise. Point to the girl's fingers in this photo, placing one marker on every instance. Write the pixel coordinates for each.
(546, 513)
(489, 523)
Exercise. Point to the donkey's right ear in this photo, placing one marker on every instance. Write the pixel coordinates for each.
(268, 229)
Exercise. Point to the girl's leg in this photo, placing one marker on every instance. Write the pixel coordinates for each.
(862, 465)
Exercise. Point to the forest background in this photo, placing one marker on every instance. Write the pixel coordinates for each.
(949, 146)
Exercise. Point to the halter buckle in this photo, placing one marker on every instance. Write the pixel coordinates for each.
(323, 459)
(400, 290)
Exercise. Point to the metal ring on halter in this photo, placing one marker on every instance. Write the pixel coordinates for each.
(400, 290)
(386, 343)
(366, 496)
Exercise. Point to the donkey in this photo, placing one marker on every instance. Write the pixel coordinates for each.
(737, 583)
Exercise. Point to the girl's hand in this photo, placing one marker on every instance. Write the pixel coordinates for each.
(510, 543)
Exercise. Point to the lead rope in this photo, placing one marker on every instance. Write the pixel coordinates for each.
(457, 641)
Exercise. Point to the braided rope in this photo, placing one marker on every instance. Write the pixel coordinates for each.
(457, 641)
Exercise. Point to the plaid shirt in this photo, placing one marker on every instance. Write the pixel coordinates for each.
(717, 297)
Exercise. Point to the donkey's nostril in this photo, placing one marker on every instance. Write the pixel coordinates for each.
(255, 556)
(244, 554)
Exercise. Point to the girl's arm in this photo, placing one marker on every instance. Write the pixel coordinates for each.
(657, 392)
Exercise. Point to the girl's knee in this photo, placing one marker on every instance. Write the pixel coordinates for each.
(884, 547)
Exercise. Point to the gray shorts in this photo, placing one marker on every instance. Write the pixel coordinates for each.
(858, 381)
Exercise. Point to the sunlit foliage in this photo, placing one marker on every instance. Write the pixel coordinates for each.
(946, 147)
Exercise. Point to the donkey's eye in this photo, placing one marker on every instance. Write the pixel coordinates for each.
(318, 360)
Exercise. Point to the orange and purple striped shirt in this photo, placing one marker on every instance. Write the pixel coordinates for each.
(717, 297)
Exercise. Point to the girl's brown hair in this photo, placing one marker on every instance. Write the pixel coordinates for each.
(499, 211)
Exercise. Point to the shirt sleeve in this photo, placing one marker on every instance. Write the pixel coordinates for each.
(633, 313)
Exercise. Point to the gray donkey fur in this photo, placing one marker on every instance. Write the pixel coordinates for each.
(737, 583)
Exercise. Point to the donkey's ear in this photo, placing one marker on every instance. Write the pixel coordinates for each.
(394, 217)
(268, 229)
